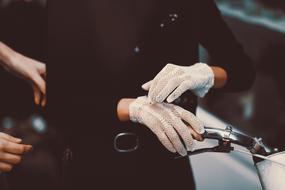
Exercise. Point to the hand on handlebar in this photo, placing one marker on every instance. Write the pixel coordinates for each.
(167, 122)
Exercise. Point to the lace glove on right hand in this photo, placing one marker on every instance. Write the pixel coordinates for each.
(167, 122)
(173, 80)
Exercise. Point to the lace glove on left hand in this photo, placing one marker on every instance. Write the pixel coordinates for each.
(167, 122)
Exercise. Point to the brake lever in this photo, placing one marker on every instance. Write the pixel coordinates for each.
(223, 147)
(226, 137)
(216, 149)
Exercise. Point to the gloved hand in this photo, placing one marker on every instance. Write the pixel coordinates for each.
(167, 122)
(173, 80)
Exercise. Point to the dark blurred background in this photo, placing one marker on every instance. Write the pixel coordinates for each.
(259, 25)
(23, 28)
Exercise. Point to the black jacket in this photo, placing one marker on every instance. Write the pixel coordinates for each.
(103, 50)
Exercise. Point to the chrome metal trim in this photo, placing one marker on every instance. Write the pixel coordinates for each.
(125, 150)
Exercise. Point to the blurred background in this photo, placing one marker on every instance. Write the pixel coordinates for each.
(259, 25)
(23, 28)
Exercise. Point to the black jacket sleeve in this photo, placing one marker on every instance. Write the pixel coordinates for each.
(224, 49)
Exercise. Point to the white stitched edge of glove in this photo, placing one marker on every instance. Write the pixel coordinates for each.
(166, 121)
(173, 80)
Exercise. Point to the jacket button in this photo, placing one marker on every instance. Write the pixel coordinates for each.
(137, 49)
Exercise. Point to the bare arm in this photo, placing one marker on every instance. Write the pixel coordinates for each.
(26, 68)
(123, 109)
(5, 54)
(220, 77)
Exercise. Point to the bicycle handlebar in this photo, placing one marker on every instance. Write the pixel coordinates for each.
(225, 136)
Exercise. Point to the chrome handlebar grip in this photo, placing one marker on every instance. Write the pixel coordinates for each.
(254, 145)
(225, 136)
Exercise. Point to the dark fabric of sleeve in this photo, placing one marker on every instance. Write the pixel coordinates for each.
(224, 49)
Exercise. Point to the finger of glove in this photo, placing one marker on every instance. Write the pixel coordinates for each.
(170, 86)
(174, 138)
(184, 86)
(163, 82)
(184, 131)
(166, 70)
(155, 126)
(194, 134)
(146, 86)
(201, 92)
(191, 119)
(162, 116)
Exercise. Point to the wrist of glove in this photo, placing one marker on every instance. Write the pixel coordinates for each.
(173, 80)
(168, 122)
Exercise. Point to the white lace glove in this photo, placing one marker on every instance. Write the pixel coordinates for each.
(167, 122)
(173, 80)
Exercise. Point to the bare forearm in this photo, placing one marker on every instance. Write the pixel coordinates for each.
(5, 54)
(220, 77)
(123, 109)
(26, 68)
